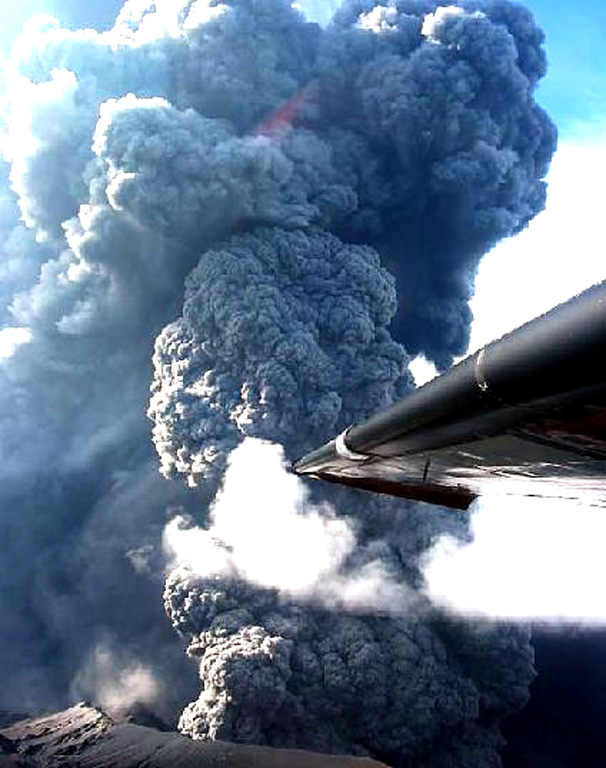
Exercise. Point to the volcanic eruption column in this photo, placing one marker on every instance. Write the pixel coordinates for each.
(298, 161)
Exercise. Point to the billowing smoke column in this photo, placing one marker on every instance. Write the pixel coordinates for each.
(292, 164)
(310, 631)
(283, 337)
(442, 97)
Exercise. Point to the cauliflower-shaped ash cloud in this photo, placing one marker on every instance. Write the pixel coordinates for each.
(283, 336)
(295, 164)
(445, 97)
(398, 689)
(414, 129)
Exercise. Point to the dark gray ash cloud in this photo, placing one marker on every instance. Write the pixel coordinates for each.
(284, 336)
(392, 688)
(445, 99)
(284, 168)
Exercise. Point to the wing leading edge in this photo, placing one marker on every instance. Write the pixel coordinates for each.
(526, 415)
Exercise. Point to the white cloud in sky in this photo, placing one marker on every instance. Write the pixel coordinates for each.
(11, 338)
(531, 559)
(422, 370)
(115, 683)
(562, 252)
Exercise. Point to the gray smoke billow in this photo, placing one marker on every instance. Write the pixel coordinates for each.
(284, 336)
(280, 171)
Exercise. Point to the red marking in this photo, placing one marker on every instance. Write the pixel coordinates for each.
(280, 121)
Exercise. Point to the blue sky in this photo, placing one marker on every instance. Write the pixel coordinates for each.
(575, 87)
(91, 12)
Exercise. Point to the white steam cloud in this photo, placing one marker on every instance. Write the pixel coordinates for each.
(11, 338)
(114, 683)
(265, 529)
(530, 559)
(434, 21)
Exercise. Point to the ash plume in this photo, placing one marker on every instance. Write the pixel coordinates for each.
(278, 170)
(443, 98)
(300, 629)
(117, 684)
(292, 346)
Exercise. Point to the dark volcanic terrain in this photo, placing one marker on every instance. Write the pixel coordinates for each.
(86, 737)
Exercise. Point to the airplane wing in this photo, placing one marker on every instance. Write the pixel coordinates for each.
(526, 415)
